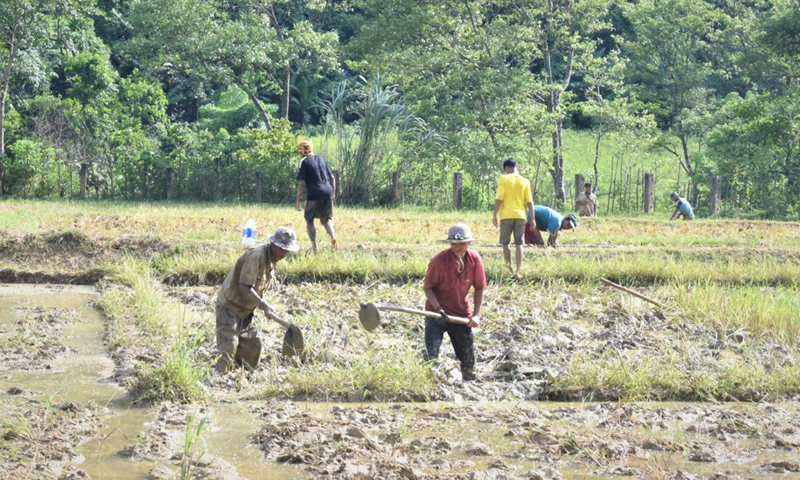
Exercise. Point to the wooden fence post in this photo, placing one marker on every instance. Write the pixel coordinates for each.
(84, 172)
(578, 188)
(458, 185)
(259, 186)
(649, 197)
(170, 182)
(397, 194)
(716, 194)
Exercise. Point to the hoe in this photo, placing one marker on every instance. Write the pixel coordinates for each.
(370, 316)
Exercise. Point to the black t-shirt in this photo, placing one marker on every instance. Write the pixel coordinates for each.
(315, 172)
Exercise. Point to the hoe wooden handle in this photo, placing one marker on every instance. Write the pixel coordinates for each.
(280, 321)
(632, 292)
(425, 313)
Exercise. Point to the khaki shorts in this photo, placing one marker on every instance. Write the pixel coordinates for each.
(516, 225)
(322, 209)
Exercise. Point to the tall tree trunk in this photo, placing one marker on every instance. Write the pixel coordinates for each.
(558, 163)
(687, 163)
(285, 96)
(553, 107)
(256, 102)
(4, 100)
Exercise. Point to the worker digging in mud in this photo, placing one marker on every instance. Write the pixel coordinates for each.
(546, 218)
(451, 274)
(241, 294)
(683, 208)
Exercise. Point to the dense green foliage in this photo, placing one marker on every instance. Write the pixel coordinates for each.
(155, 99)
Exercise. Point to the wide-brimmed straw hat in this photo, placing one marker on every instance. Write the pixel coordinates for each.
(459, 233)
(285, 238)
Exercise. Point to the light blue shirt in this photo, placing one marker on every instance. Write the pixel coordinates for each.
(685, 208)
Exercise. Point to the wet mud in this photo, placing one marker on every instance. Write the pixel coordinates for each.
(33, 337)
(530, 441)
(39, 440)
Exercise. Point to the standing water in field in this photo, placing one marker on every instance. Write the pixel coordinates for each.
(56, 389)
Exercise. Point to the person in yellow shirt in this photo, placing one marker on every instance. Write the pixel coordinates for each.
(512, 201)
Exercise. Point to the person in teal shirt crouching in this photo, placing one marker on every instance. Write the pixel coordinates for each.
(546, 218)
(682, 208)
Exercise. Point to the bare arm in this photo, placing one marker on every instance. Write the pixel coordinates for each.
(475, 321)
(552, 240)
(301, 185)
(497, 205)
(431, 296)
(530, 211)
(674, 214)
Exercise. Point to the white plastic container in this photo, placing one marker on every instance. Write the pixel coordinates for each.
(249, 233)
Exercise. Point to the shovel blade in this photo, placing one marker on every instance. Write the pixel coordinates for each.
(293, 344)
(369, 316)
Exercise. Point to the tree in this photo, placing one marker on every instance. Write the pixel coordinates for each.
(252, 44)
(502, 67)
(672, 59)
(610, 105)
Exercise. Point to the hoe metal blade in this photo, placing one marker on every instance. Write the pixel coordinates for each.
(369, 316)
(293, 343)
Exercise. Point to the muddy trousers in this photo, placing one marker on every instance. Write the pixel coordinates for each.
(237, 341)
(461, 338)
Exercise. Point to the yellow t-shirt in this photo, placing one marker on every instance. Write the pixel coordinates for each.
(253, 268)
(515, 192)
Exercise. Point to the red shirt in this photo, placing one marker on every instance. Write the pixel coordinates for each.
(451, 287)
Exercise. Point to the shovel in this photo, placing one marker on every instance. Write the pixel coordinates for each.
(370, 316)
(293, 343)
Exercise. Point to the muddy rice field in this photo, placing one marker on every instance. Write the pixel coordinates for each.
(106, 343)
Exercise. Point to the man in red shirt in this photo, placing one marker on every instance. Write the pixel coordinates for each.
(450, 276)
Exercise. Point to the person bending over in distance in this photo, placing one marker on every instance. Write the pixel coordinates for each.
(450, 275)
(682, 208)
(316, 177)
(241, 294)
(547, 219)
(512, 201)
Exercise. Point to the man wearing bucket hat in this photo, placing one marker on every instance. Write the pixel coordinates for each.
(241, 294)
(451, 274)
(546, 218)
(682, 208)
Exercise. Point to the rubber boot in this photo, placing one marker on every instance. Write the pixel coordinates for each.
(468, 374)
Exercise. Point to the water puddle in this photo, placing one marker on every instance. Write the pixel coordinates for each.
(82, 375)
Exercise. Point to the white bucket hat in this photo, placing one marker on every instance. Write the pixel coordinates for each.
(459, 233)
(285, 238)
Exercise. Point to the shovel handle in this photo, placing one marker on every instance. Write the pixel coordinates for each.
(425, 313)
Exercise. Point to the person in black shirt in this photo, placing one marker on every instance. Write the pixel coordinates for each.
(315, 176)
